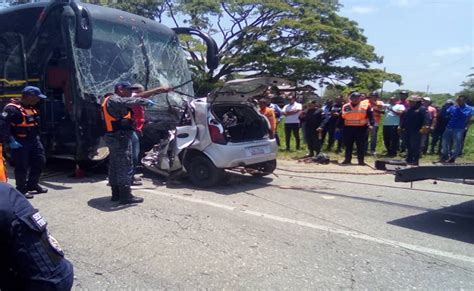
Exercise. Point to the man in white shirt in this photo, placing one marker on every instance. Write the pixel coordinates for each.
(291, 112)
(391, 138)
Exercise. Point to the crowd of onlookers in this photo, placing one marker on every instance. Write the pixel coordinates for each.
(410, 124)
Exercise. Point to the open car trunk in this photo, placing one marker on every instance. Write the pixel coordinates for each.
(240, 122)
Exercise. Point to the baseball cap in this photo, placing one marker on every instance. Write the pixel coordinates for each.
(427, 99)
(374, 94)
(355, 95)
(450, 101)
(125, 85)
(403, 92)
(414, 98)
(32, 90)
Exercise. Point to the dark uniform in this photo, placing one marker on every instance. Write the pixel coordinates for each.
(415, 118)
(356, 120)
(314, 118)
(119, 129)
(30, 258)
(21, 123)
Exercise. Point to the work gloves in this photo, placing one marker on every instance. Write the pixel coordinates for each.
(14, 144)
(150, 104)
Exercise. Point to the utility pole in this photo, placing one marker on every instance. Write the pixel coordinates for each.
(427, 89)
(381, 86)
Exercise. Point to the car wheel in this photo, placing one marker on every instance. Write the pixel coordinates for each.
(202, 172)
(265, 168)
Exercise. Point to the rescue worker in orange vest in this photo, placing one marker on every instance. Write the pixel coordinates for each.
(117, 110)
(19, 126)
(269, 114)
(3, 168)
(357, 117)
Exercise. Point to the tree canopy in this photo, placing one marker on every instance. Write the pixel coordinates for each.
(302, 40)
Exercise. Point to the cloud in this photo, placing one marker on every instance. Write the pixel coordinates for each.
(404, 3)
(363, 9)
(455, 50)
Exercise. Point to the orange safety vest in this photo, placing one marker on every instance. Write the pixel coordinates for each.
(29, 124)
(3, 168)
(355, 115)
(113, 124)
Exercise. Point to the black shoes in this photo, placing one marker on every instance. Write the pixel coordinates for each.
(126, 196)
(25, 193)
(38, 189)
(361, 163)
(346, 162)
(115, 193)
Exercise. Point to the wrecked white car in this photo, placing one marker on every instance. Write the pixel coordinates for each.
(224, 131)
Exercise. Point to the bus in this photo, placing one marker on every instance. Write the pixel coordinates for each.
(75, 53)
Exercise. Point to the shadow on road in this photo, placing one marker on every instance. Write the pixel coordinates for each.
(455, 222)
(104, 204)
(232, 183)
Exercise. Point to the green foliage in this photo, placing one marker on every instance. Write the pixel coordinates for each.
(468, 88)
(302, 40)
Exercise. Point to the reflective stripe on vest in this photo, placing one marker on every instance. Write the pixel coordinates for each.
(110, 121)
(3, 168)
(29, 120)
(357, 116)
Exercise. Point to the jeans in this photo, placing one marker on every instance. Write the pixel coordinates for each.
(135, 150)
(373, 138)
(391, 139)
(452, 143)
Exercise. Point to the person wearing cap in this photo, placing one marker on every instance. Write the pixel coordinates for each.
(118, 117)
(453, 136)
(442, 122)
(433, 114)
(414, 123)
(357, 118)
(377, 108)
(19, 127)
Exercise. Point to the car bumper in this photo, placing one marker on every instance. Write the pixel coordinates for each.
(233, 155)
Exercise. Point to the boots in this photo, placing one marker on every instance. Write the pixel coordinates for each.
(115, 193)
(126, 196)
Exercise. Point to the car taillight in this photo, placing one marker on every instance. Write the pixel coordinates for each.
(216, 135)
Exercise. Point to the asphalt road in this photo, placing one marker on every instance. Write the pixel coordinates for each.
(302, 229)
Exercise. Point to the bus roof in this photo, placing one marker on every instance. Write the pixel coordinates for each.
(33, 10)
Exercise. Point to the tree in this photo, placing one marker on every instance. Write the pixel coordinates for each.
(468, 87)
(302, 40)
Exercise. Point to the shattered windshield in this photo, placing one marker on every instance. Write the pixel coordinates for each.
(126, 53)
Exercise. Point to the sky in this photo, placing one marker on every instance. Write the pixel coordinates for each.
(430, 43)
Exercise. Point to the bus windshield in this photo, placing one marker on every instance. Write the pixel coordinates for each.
(126, 53)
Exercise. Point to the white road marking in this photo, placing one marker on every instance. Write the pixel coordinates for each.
(324, 228)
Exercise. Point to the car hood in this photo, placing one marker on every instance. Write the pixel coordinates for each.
(244, 90)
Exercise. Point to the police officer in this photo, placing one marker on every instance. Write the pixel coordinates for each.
(31, 259)
(117, 110)
(357, 118)
(414, 123)
(19, 126)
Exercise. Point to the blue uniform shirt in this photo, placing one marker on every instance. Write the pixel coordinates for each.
(31, 259)
(458, 116)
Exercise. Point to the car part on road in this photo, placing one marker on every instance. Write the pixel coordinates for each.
(390, 165)
(465, 171)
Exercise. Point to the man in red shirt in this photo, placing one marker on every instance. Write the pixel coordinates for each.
(139, 121)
